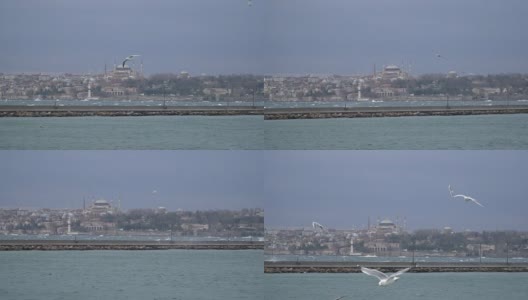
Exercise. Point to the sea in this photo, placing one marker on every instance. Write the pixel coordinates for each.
(138, 133)
(478, 286)
(142, 275)
(483, 132)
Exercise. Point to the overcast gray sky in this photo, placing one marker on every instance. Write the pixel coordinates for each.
(340, 189)
(271, 37)
(191, 180)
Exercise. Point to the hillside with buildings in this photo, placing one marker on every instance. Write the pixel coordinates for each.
(393, 82)
(388, 238)
(102, 217)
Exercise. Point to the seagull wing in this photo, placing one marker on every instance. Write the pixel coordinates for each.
(400, 272)
(451, 192)
(375, 273)
(475, 201)
(463, 196)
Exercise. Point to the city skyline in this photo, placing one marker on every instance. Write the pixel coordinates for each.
(60, 179)
(269, 37)
(342, 190)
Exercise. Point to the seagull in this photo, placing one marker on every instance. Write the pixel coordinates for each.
(384, 279)
(466, 198)
(340, 297)
(440, 56)
(316, 225)
(130, 57)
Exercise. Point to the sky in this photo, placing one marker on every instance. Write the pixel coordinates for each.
(270, 37)
(190, 180)
(341, 189)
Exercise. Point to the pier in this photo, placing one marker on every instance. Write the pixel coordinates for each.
(114, 111)
(422, 267)
(372, 112)
(19, 245)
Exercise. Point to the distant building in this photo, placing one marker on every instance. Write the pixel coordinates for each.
(101, 207)
(387, 92)
(114, 90)
(381, 247)
(386, 227)
(392, 72)
(452, 74)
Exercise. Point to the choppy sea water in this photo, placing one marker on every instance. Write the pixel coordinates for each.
(252, 133)
(483, 132)
(481, 286)
(138, 133)
(170, 274)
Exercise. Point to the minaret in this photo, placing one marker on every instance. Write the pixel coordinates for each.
(69, 223)
(359, 90)
(89, 89)
(351, 246)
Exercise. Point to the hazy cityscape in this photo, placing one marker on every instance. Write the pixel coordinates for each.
(102, 218)
(386, 238)
(392, 82)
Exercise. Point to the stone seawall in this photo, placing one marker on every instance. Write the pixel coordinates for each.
(109, 111)
(355, 267)
(373, 112)
(125, 245)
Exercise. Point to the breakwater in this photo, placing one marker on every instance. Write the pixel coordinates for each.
(111, 111)
(372, 112)
(19, 245)
(422, 267)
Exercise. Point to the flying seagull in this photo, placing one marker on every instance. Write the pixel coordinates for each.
(130, 57)
(466, 198)
(384, 279)
(439, 56)
(316, 225)
(340, 297)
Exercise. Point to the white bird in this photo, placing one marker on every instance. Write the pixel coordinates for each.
(340, 297)
(466, 198)
(130, 57)
(316, 225)
(384, 279)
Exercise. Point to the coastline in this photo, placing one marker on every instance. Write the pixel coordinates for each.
(55, 245)
(373, 112)
(116, 111)
(422, 267)
(268, 113)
